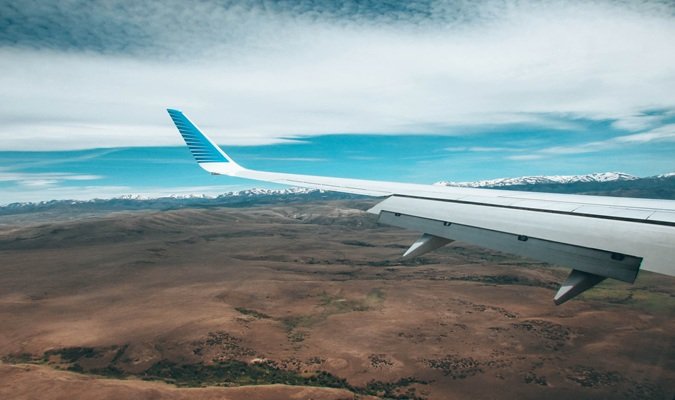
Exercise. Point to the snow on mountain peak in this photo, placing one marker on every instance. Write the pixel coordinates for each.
(241, 193)
(534, 180)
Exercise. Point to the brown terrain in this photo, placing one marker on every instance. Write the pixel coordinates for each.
(309, 301)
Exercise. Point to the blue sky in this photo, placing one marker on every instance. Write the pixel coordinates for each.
(415, 91)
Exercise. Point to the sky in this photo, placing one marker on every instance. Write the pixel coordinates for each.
(414, 91)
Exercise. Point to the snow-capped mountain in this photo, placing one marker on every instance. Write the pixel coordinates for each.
(173, 198)
(537, 180)
(658, 186)
(192, 196)
(268, 192)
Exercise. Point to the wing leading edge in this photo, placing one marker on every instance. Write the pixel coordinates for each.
(599, 237)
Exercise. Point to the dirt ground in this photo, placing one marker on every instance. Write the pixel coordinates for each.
(309, 301)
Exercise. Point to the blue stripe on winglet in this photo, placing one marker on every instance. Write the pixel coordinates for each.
(201, 148)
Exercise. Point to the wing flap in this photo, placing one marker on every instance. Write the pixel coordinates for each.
(651, 242)
(663, 216)
(603, 263)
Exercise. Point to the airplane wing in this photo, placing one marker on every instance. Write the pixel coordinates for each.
(598, 237)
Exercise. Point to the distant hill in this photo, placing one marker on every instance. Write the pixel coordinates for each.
(75, 209)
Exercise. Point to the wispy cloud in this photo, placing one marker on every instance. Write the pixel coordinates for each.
(257, 73)
(20, 163)
(43, 179)
(641, 121)
(300, 159)
(525, 157)
(664, 133)
(660, 134)
(481, 149)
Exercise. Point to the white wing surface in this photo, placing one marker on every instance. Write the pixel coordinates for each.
(598, 237)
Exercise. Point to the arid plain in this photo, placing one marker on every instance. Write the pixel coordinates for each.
(309, 301)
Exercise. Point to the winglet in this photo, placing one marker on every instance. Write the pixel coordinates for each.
(207, 153)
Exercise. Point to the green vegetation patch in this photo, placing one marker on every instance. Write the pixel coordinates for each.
(591, 377)
(358, 243)
(252, 313)
(375, 297)
(652, 301)
(237, 373)
(454, 366)
(335, 304)
(297, 336)
(506, 280)
(301, 321)
(338, 305)
(72, 354)
(400, 389)
(332, 305)
(222, 373)
(225, 345)
(19, 358)
(553, 336)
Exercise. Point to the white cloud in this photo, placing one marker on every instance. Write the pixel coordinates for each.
(638, 122)
(525, 157)
(481, 149)
(301, 159)
(43, 179)
(665, 133)
(273, 77)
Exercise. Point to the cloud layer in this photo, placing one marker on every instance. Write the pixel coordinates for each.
(84, 75)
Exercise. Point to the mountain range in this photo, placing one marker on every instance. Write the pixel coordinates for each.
(605, 183)
(552, 179)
